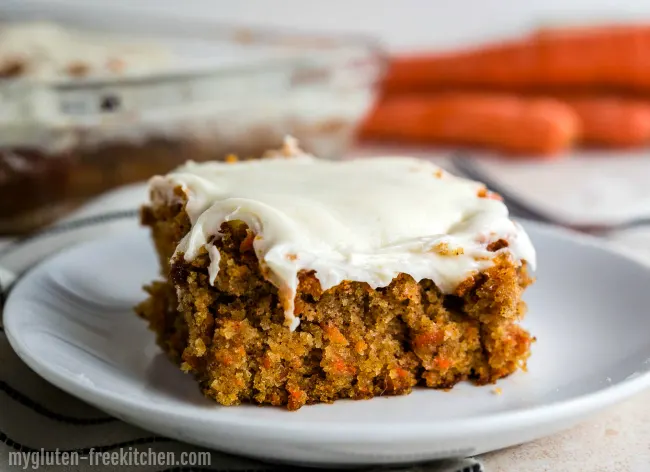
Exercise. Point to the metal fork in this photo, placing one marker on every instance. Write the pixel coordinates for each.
(520, 209)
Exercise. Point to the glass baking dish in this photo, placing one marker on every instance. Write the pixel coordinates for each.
(143, 95)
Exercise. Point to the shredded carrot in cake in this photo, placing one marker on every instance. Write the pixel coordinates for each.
(335, 335)
(247, 244)
(401, 372)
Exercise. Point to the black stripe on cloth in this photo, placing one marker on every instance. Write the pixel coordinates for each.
(4, 292)
(32, 405)
(70, 226)
(84, 450)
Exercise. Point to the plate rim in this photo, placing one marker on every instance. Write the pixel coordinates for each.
(490, 423)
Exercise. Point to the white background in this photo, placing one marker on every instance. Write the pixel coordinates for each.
(402, 24)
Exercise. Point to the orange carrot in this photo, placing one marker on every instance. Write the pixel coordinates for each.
(594, 57)
(503, 122)
(611, 121)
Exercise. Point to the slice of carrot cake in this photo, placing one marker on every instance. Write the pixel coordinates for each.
(292, 280)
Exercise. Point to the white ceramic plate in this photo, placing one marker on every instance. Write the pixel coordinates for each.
(70, 320)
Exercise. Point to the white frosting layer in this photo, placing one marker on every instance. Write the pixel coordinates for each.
(47, 51)
(362, 220)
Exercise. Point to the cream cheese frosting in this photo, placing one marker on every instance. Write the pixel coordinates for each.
(364, 220)
(47, 50)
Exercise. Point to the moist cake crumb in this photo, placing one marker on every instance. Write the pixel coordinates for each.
(227, 327)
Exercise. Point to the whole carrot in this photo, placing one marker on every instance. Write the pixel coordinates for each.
(594, 57)
(612, 121)
(503, 122)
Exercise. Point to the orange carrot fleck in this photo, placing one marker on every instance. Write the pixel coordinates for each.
(247, 244)
(297, 398)
(401, 372)
(334, 335)
(428, 339)
(339, 365)
(485, 193)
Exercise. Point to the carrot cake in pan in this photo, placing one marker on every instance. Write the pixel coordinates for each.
(293, 280)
